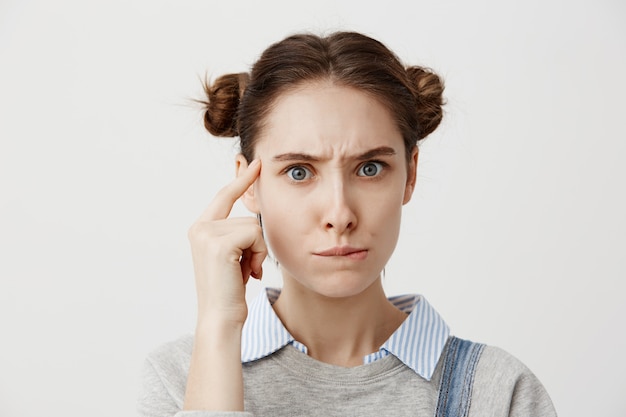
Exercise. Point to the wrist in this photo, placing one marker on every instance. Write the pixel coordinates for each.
(220, 329)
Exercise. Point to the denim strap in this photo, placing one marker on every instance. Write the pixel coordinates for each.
(455, 391)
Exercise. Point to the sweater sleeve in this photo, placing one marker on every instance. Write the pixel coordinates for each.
(530, 398)
(505, 387)
(164, 378)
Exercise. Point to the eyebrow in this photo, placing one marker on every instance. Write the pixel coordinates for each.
(372, 153)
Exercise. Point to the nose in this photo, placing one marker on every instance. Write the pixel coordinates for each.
(339, 209)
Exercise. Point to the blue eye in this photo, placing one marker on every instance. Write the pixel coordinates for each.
(370, 169)
(299, 173)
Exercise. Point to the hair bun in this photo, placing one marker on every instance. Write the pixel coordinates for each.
(222, 102)
(428, 90)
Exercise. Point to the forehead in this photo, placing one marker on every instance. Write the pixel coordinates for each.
(329, 120)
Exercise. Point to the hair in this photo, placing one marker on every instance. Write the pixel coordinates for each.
(238, 104)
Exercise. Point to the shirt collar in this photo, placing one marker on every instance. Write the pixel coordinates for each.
(418, 342)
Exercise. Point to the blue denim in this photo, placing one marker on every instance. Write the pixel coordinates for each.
(459, 366)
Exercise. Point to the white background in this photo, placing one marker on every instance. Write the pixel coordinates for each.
(516, 233)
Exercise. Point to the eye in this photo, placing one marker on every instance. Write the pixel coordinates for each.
(298, 173)
(370, 169)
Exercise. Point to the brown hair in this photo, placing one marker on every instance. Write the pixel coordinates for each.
(237, 104)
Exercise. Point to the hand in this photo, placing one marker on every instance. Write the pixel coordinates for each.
(226, 252)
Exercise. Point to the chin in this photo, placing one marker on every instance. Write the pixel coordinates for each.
(341, 284)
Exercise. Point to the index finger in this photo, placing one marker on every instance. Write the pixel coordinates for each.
(225, 198)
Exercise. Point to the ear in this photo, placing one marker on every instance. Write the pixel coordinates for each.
(247, 197)
(411, 176)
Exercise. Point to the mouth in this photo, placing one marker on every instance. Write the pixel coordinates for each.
(343, 252)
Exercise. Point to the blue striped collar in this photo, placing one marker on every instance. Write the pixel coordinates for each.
(418, 342)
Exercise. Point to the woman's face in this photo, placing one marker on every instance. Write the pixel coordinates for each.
(333, 181)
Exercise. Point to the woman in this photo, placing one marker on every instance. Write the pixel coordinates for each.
(328, 130)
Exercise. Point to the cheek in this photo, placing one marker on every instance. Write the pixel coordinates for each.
(388, 219)
(284, 217)
(285, 236)
(275, 203)
(382, 218)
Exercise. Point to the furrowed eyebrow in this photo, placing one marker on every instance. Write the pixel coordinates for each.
(381, 151)
(294, 157)
(373, 153)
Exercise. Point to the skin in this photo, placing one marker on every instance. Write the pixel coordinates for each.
(329, 178)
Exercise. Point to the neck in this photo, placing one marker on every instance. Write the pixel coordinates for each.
(338, 331)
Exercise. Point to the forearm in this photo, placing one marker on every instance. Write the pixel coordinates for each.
(226, 252)
(215, 380)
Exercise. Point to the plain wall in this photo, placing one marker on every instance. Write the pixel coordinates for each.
(516, 233)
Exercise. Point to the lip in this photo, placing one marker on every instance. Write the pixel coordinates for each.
(343, 251)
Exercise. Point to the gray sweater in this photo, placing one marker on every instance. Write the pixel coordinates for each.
(290, 383)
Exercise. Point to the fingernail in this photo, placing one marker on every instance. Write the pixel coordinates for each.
(254, 163)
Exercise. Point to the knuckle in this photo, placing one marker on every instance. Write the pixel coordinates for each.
(193, 231)
(199, 231)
